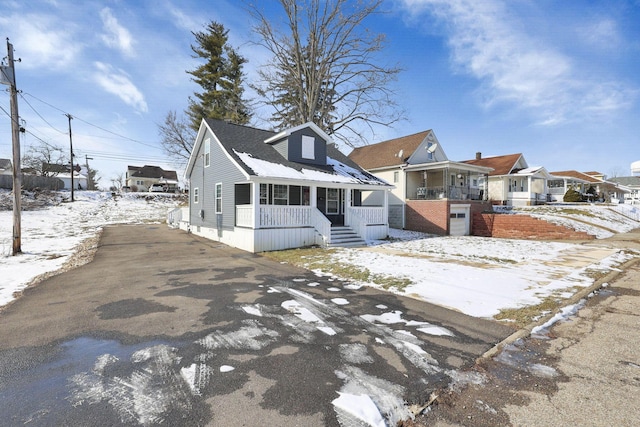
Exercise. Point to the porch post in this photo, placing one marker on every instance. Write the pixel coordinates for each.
(385, 210)
(347, 206)
(255, 201)
(313, 196)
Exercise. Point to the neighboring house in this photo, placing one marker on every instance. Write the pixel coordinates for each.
(260, 191)
(630, 189)
(142, 178)
(5, 167)
(79, 180)
(432, 194)
(512, 182)
(582, 182)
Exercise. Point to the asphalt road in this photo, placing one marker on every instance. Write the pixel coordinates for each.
(164, 327)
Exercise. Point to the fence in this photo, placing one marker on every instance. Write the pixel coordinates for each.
(31, 182)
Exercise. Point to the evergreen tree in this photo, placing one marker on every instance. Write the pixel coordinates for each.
(221, 78)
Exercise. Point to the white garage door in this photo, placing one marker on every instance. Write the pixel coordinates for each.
(459, 221)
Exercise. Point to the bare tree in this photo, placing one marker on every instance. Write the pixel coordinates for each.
(117, 182)
(46, 159)
(177, 137)
(326, 68)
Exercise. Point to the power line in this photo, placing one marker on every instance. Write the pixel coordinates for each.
(39, 115)
(93, 125)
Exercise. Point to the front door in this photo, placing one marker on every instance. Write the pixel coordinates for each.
(331, 203)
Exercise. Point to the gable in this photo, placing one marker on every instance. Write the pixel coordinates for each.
(429, 151)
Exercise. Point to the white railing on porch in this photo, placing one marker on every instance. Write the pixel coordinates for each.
(323, 226)
(274, 216)
(369, 214)
(244, 215)
(284, 216)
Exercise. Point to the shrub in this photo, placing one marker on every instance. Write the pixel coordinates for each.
(572, 196)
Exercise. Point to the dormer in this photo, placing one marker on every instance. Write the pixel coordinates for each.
(306, 143)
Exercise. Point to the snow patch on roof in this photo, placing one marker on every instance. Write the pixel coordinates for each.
(341, 172)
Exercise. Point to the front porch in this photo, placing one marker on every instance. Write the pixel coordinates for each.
(446, 183)
(284, 216)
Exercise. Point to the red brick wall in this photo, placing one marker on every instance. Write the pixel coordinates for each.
(522, 227)
(432, 216)
(428, 216)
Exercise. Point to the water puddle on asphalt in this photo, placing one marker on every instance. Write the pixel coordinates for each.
(43, 386)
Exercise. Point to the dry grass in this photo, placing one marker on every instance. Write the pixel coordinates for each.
(322, 260)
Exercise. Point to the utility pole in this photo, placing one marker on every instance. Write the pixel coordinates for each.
(9, 75)
(90, 185)
(71, 154)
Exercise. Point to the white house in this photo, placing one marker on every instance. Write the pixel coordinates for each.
(259, 190)
(512, 181)
(432, 193)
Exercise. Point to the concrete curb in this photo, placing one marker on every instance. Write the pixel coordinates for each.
(583, 293)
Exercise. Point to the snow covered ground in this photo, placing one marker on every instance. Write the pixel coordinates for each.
(478, 276)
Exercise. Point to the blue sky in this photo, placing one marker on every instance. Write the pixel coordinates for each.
(558, 81)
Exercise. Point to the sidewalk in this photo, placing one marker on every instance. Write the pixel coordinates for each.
(584, 371)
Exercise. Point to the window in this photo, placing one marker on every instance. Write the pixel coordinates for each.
(280, 194)
(264, 194)
(430, 151)
(219, 197)
(207, 152)
(332, 201)
(308, 147)
(196, 197)
(396, 176)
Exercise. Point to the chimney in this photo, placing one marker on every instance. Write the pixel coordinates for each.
(478, 155)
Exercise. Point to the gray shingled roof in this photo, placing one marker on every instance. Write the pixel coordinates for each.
(244, 139)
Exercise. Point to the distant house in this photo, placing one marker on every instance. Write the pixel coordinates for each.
(142, 178)
(589, 184)
(512, 182)
(259, 190)
(5, 167)
(432, 193)
(630, 189)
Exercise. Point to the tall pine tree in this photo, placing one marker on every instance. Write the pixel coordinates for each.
(221, 78)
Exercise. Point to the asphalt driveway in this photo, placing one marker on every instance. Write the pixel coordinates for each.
(166, 327)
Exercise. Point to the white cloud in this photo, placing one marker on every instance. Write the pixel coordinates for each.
(117, 82)
(516, 68)
(40, 42)
(116, 35)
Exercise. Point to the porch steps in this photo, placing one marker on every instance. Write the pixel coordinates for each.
(344, 236)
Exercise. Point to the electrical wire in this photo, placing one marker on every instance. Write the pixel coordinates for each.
(39, 115)
(93, 125)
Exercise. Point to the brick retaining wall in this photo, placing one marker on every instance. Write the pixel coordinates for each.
(518, 226)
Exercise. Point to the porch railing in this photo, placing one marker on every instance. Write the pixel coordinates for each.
(369, 214)
(323, 226)
(451, 192)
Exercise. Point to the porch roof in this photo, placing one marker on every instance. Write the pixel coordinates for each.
(451, 165)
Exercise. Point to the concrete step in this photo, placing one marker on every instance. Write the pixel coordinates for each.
(343, 236)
